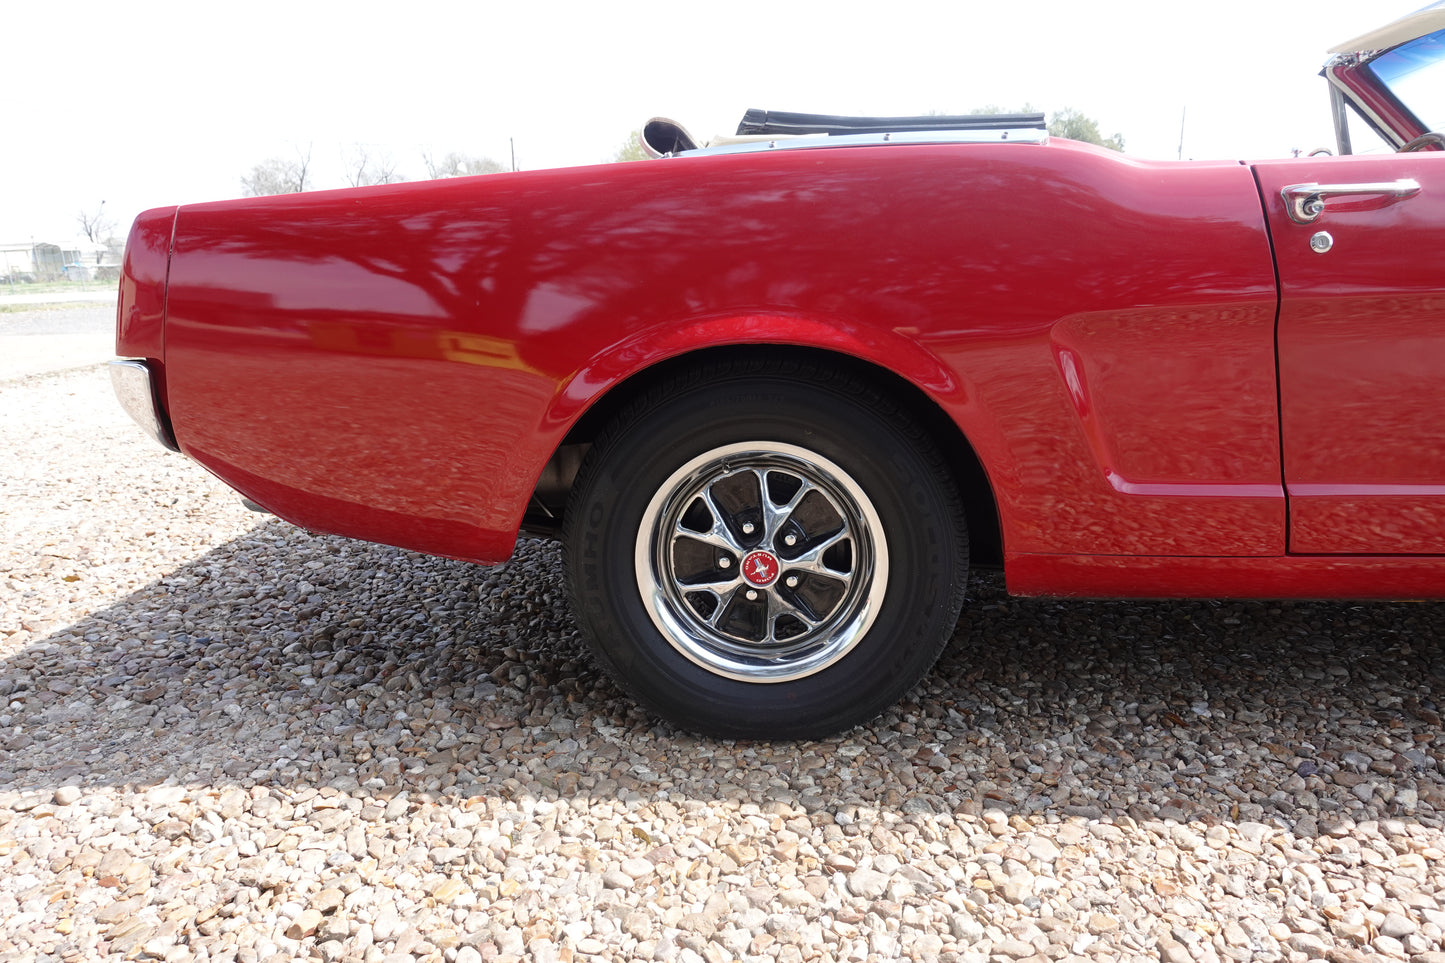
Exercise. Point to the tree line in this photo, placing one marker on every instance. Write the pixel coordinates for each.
(1065, 122)
(366, 166)
(362, 166)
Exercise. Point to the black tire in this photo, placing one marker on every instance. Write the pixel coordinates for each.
(872, 552)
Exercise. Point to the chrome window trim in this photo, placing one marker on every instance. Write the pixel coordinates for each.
(1369, 116)
(1013, 135)
(1340, 113)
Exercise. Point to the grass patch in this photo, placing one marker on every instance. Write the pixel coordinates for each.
(49, 306)
(60, 287)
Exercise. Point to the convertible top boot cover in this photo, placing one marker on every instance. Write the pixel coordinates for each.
(757, 121)
(662, 136)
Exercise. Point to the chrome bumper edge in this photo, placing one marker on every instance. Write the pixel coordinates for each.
(136, 390)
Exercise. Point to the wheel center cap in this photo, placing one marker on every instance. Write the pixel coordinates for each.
(760, 568)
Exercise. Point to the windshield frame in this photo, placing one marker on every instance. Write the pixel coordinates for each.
(1365, 73)
(1391, 68)
(1373, 102)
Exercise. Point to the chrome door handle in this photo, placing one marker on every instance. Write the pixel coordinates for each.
(1306, 202)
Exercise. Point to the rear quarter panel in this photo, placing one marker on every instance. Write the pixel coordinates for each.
(397, 363)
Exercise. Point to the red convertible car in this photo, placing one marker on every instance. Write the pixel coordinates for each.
(778, 392)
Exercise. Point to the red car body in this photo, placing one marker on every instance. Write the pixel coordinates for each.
(399, 363)
(1159, 383)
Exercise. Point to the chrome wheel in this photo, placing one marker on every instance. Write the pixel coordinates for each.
(761, 561)
(765, 548)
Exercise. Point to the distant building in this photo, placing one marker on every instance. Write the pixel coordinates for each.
(16, 261)
(79, 259)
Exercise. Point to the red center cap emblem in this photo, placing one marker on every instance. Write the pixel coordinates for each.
(760, 568)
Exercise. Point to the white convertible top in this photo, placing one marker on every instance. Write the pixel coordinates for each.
(1412, 25)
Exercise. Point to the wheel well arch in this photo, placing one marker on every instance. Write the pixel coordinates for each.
(970, 479)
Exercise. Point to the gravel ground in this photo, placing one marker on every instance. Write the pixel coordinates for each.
(43, 338)
(222, 738)
(58, 318)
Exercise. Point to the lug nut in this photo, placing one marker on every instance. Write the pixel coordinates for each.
(752, 595)
(747, 528)
(792, 581)
(790, 539)
(724, 562)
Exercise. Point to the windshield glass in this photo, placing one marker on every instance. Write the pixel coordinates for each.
(1415, 73)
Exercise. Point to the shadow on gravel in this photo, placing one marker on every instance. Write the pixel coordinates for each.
(294, 660)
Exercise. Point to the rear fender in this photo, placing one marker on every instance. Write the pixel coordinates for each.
(892, 349)
(141, 307)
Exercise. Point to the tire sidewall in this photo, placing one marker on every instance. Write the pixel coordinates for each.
(922, 528)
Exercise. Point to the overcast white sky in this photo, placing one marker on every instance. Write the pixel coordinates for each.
(142, 103)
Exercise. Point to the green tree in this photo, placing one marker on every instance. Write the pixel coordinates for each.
(631, 148)
(1074, 125)
(1065, 122)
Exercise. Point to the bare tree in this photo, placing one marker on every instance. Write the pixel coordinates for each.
(303, 163)
(97, 227)
(365, 167)
(459, 165)
(278, 176)
(274, 176)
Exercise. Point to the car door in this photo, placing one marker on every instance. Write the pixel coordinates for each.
(1360, 250)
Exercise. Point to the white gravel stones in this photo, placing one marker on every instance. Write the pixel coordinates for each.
(224, 739)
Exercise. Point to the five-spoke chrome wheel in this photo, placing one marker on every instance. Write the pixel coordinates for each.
(765, 549)
(761, 561)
